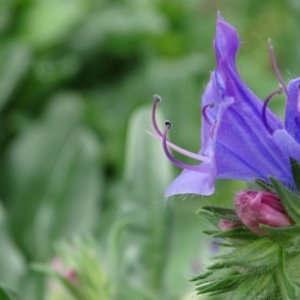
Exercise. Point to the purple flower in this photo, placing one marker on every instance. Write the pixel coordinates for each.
(254, 208)
(241, 138)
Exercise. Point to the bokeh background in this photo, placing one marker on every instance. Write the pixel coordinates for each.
(76, 85)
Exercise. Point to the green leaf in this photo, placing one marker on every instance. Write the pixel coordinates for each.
(159, 228)
(54, 172)
(240, 232)
(222, 213)
(296, 172)
(12, 262)
(147, 174)
(46, 23)
(288, 290)
(213, 219)
(15, 61)
(258, 286)
(290, 201)
(265, 186)
(292, 230)
(8, 294)
(260, 253)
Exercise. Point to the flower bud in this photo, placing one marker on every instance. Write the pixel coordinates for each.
(70, 274)
(226, 225)
(254, 208)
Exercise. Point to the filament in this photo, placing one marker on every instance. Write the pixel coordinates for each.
(279, 77)
(173, 159)
(264, 109)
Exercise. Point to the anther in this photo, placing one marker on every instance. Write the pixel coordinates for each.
(264, 108)
(168, 124)
(157, 99)
(173, 159)
(204, 114)
(159, 135)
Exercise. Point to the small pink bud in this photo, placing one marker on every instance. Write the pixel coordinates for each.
(69, 273)
(71, 276)
(226, 225)
(254, 208)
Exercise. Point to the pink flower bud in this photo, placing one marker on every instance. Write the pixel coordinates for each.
(68, 273)
(71, 276)
(226, 225)
(254, 208)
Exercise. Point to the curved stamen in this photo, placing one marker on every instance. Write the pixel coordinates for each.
(182, 151)
(264, 108)
(157, 99)
(279, 77)
(204, 114)
(173, 159)
(159, 135)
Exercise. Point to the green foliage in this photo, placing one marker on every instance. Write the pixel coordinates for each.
(251, 262)
(8, 294)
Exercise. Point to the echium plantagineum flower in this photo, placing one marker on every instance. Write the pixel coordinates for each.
(242, 139)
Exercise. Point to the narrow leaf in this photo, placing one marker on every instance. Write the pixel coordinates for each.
(264, 185)
(287, 288)
(261, 253)
(237, 233)
(296, 172)
(292, 230)
(7, 293)
(290, 201)
(222, 213)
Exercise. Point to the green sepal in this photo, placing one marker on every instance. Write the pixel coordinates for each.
(210, 279)
(202, 276)
(240, 232)
(290, 231)
(256, 287)
(222, 212)
(265, 186)
(288, 290)
(229, 245)
(221, 284)
(290, 201)
(295, 166)
(213, 219)
(259, 253)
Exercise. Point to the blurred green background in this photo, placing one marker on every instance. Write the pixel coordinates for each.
(76, 85)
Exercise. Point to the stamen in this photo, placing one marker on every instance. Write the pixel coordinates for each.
(279, 77)
(264, 108)
(205, 116)
(173, 159)
(157, 99)
(159, 135)
(182, 151)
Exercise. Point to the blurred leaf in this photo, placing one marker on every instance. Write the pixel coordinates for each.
(129, 21)
(48, 22)
(12, 264)
(8, 294)
(147, 173)
(55, 179)
(14, 61)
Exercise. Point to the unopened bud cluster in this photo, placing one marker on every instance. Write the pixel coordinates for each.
(254, 208)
